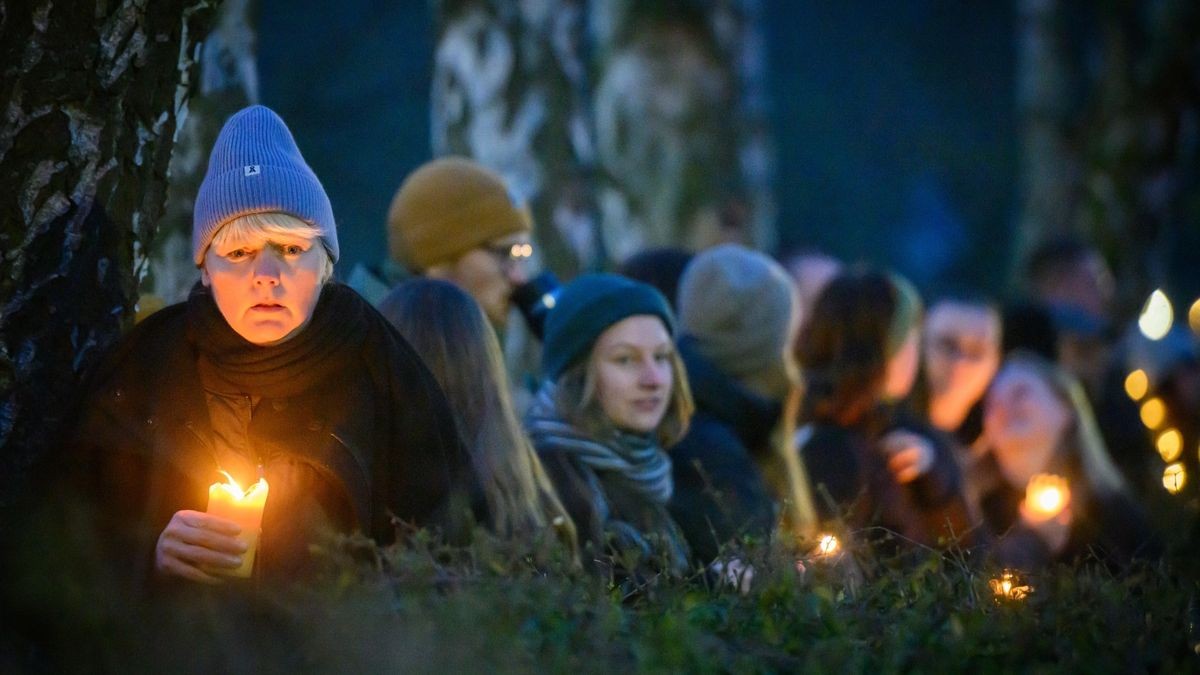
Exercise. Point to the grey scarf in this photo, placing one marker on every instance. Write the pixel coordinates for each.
(634, 460)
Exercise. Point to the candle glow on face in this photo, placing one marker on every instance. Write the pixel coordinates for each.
(245, 507)
(1047, 495)
(1137, 384)
(1157, 316)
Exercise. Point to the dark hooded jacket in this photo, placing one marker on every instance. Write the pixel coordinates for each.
(851, 480)
(720, 493)
(344, 421)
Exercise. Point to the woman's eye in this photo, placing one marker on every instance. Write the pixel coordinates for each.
(662, 357)
(237, 254)
(623, 360)
(293, 249)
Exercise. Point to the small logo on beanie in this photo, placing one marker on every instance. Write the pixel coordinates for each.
(251, 170)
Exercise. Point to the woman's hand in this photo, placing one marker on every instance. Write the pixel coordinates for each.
(193, 541)
(909, 455)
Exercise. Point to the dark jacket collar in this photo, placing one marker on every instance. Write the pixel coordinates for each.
(751, 416)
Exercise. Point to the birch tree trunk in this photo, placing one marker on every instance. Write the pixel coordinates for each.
(228, 82)
(667, 144)
(93, 93)
(681, 125)
(510, 89)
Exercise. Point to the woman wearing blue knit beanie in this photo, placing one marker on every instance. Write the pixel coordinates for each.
(615, 395)
(269, 370)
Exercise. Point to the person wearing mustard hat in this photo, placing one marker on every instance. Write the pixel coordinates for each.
(454, 219)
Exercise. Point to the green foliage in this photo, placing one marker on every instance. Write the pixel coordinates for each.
(426, 607)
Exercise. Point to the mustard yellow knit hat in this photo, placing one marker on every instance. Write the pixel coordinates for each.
(447, 207)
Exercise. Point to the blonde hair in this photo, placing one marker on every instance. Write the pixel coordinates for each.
(1083, 441)
(576, 397)
(450, 332)
(266, 225)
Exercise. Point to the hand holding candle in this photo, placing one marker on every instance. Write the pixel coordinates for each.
(245, 507)
(1046, 496)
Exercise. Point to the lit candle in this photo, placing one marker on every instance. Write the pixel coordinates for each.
(1047, 495)
(1137, 384)
(1174, 477)
(1170, 445)
(1008, 587)
(1157, 316)
(827, 545)
(245, 507)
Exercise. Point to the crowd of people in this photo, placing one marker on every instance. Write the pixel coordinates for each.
(682, 409)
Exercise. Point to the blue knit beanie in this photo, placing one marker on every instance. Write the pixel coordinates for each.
(255, 167)
(586, 307)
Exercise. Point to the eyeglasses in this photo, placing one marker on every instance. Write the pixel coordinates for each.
(510, 254)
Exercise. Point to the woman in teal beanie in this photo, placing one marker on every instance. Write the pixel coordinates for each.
(615, 395)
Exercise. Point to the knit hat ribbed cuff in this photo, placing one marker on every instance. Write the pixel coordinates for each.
(586, 307)
(255, 167)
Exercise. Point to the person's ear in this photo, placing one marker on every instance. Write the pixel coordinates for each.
(204, 278)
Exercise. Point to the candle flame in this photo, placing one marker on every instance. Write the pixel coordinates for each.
(1008, 587)
(1174, 478)
(1170, 445)
(1047, 495)
(1194, 316)
(828, 545)
(1137, 384)
(234, 490)
(1157, 316)
(1153, 412)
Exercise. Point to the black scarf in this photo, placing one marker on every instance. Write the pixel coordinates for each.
(229, 364)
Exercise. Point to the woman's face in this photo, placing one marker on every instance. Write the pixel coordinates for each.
(266, 288)
(1024, 420)
(632, 366)
(962, 349)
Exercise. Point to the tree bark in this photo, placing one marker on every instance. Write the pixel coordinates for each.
(510, 89)
(228, 82)
(667, 145)
(93, 93)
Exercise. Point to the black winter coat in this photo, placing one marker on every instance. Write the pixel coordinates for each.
(851, 479)
(720, 494)
(373, 440)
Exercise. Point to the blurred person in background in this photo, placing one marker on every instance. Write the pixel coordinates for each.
(735, 471)
(960, 356)
(659, 267)
(615, 395)
(512, 494)
(1037, 421)
(870, 463)
(811, 270)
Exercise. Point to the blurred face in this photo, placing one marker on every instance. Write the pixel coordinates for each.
(962, 350)
(1023, 422)
(266, 287)
(631, 362)
(901, 370)
(490, 273)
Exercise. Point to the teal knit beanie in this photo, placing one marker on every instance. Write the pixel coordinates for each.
(586, 307)
(255, 167)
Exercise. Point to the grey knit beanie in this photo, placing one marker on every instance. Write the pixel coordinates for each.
(255, 167)
(737, 304)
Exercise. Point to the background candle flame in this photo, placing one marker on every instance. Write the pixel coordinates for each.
(1157, 316)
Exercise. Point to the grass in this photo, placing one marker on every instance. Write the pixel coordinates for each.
(487, 608)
